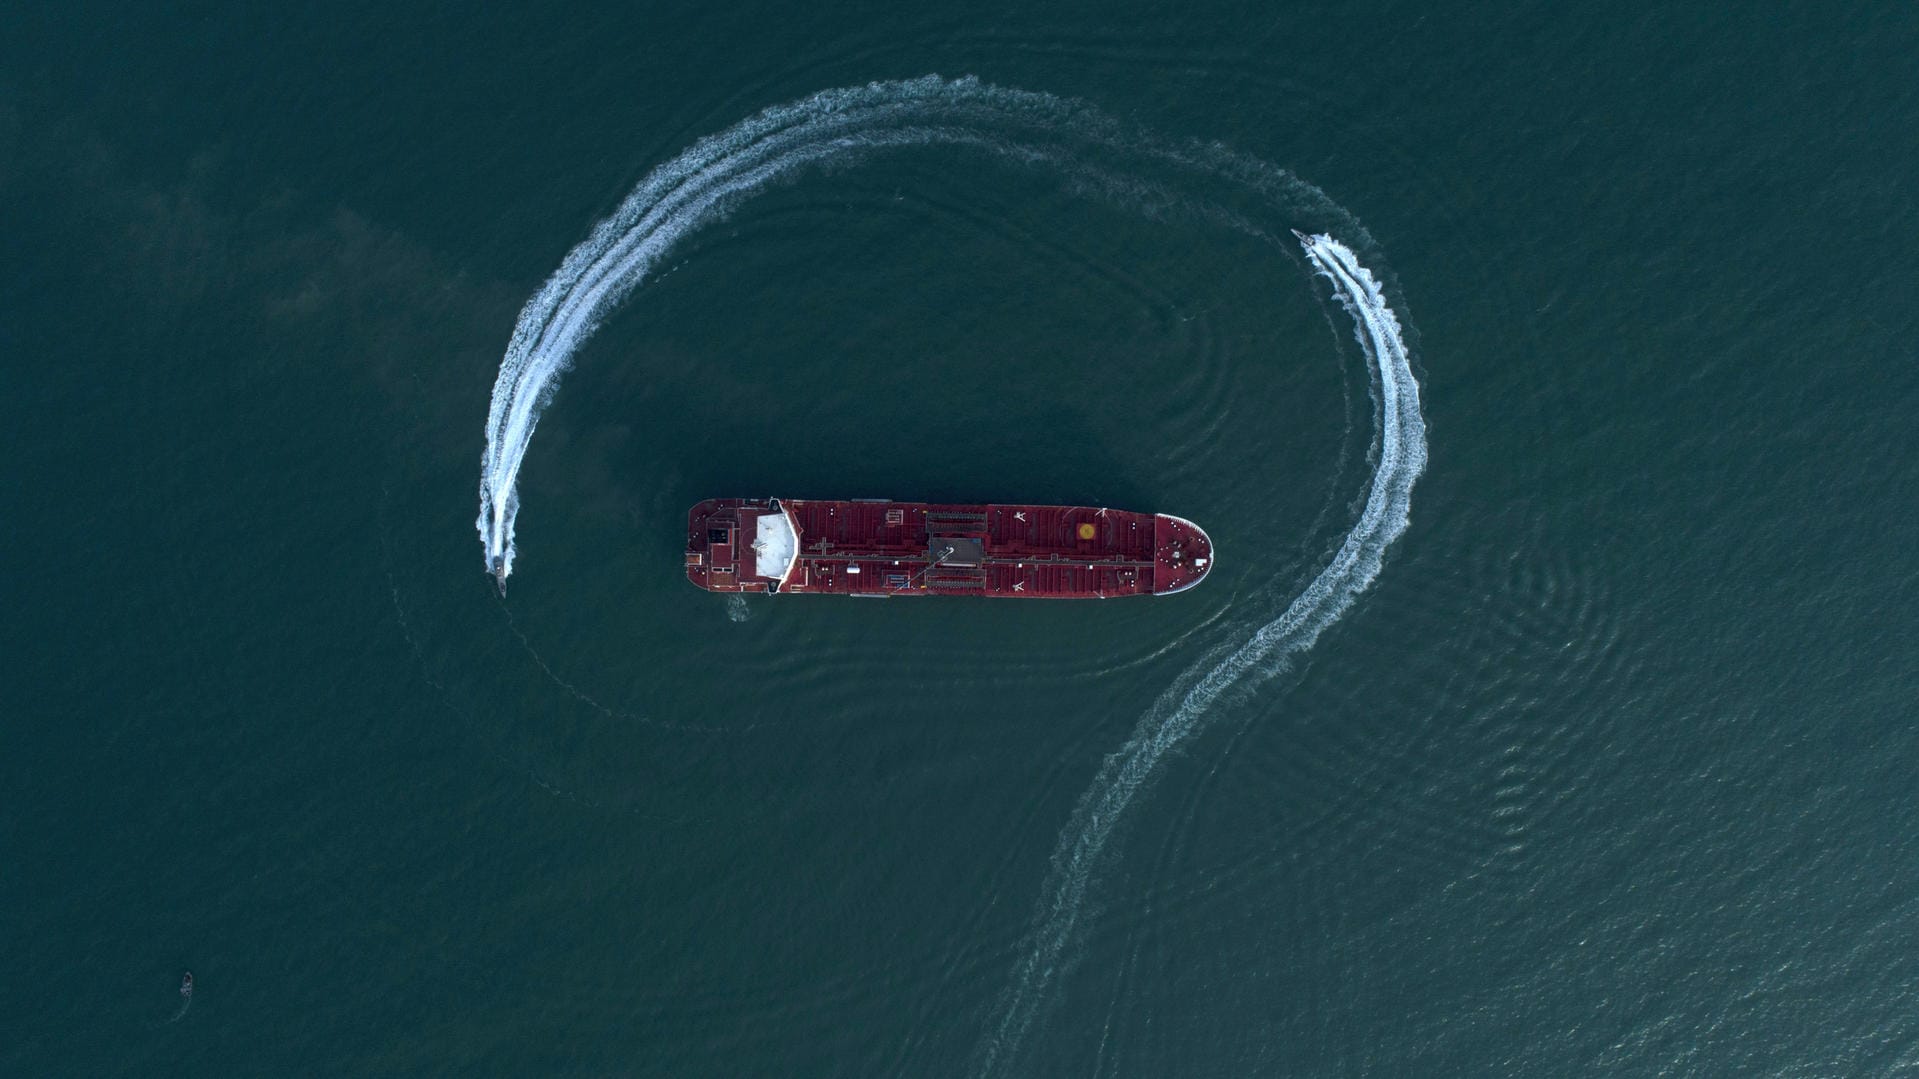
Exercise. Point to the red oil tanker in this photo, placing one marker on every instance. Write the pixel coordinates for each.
(876, 547)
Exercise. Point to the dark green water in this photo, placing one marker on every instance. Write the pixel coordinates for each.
(1607, 773)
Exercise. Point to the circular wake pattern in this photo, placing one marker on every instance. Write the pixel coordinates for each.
(1093, 156)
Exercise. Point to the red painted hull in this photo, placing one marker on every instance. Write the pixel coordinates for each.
(881, 548)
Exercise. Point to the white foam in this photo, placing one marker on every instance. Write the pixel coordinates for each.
(678, 198)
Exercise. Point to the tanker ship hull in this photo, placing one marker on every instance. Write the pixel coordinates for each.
(882, 548)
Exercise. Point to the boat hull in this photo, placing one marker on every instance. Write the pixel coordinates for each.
(883, 548)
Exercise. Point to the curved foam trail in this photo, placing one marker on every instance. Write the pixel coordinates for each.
(1178, 715)
(687, 193)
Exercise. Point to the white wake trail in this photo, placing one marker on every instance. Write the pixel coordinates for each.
(1177, 716)
(689, 192)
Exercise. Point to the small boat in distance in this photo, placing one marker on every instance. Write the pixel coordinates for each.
(499, 573)
(186, 985)
(877, 547)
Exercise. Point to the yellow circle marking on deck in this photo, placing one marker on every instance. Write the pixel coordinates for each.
(1087, 531)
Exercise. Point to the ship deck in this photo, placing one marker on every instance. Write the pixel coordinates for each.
(884, 548)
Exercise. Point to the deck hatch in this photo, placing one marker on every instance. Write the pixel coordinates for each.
(956, 551)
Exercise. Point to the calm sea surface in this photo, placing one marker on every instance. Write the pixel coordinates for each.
(1609, 771)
